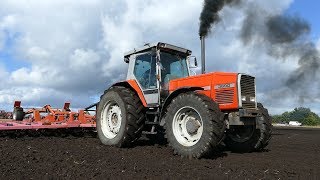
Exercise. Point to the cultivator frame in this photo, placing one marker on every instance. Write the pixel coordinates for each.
(5, 115)
(50, 118)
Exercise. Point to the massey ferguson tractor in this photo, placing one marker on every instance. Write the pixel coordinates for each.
(195, 113)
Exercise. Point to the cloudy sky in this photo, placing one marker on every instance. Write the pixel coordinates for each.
(55, 51)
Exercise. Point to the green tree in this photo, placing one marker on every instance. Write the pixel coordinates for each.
(277, 119)
(311, 120)
(301, 114)
(286, 116)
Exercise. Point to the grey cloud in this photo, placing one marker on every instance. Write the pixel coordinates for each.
(78, 53)
(286, 37)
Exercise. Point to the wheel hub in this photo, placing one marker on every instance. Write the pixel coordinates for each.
(114, 119)
(192, 125)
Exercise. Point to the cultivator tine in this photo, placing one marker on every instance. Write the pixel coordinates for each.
(66, 106)
(74, 132)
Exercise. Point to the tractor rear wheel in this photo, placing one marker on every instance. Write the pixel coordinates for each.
(194, 125)
(120, 117)
(249, 138)
(18, 114)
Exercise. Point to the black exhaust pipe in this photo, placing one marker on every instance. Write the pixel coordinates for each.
(203, 54)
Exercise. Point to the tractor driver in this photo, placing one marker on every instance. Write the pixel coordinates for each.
(173, 66)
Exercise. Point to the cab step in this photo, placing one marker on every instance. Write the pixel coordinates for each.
(148, 132)
(152, 112)
(152, 123)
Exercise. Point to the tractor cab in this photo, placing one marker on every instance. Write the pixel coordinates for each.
(154, 65)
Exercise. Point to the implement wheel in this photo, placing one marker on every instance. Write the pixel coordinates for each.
(249, 138)
(18, 114)
(120, 117)
(194, 125)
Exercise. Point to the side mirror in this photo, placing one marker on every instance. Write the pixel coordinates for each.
(126, 59)
(192, 62)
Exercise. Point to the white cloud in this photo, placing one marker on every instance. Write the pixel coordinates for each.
(37, 53)
(81, 59)
(139, 24)
(4, 23)
(74, 49)
(8, 22)
(3, 72)
(2, 40)
(274, 6)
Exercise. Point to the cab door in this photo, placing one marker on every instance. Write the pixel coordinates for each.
(145, 72)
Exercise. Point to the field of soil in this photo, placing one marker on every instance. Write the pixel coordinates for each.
(292, 154)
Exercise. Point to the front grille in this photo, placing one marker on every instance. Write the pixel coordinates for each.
(225, 96)
(248, 89)
(248, 105)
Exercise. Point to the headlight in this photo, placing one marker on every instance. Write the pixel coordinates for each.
(243, 98)
(252, 99)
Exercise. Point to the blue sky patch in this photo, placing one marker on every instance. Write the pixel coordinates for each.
(7, 56)
(308, 10)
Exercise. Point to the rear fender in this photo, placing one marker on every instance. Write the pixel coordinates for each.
(132, 84)
(172, 96)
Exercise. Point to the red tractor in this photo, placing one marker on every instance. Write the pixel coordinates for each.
(194, 112)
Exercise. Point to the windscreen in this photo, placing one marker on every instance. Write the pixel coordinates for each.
(173, 66)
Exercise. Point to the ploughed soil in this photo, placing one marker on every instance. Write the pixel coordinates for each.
(292, 154)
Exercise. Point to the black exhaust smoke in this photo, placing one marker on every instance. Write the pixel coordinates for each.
(208, 17)
(286, 37)
(281, 36)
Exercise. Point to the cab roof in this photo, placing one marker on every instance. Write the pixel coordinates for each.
(158, 45)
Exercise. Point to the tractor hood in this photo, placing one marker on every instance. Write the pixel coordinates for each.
(223, 88)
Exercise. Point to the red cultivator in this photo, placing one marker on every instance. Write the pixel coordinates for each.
(48, 118)
(5, 115)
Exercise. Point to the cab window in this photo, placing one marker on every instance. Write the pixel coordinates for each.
(145, 71)
(173, 66)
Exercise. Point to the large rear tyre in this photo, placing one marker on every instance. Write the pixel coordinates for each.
(18, 114)
(248, 138)
(194, 125)
(120, 117)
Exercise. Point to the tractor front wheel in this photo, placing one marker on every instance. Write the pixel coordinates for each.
(120, 117)
(194, 125)
(251, 138)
